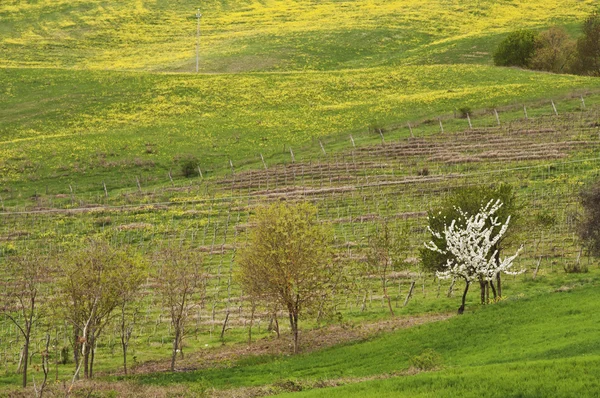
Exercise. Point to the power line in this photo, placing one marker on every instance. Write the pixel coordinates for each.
(198, 16)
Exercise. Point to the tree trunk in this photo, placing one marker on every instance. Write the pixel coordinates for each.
(175, 346)
(124, 338)
(76, 356)
(387, 297)
(294, 326)
(461, 309)
(252, 311)
(26, 357)
(276, 325)
(124, 357)
(92, 354)
(493, 290)
(86, 364)
(499, 284)
(482, 287)
(498, 279)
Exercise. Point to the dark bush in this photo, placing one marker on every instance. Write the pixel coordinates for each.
(423, 172)
(189, 167)
(464, 111)
(589, 223)
(516, 49)
(588, 47)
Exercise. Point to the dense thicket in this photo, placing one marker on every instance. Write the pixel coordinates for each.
(553, 50)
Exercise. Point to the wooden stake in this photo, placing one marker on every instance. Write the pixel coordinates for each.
(537, 267)
(352, 139)
(292, 155)
(441, 127)
(409, 295)
(554, 107)
(525, 112)
(469, 120)
(497, 117)
(200, 172)
(322, 148)
(582, 102)
(451, 289)
(263, 161)
(381, 134)
(105, 190)
(411, 131)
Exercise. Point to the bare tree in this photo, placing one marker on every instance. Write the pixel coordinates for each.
(127, 320)
(179, 280)
(289, 261)
(386, 253)
(24, 291)
(39, 391)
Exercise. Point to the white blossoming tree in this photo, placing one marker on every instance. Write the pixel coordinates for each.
(471, 248)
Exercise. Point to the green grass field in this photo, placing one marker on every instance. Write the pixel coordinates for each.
(70, 115)
(514, 348)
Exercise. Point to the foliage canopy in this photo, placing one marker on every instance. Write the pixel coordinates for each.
(289, 261)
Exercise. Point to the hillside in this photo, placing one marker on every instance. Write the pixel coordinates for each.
(242, 36)
(371, 110)
(71, 115)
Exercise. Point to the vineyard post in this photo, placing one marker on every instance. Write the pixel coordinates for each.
(525, 112)
(264, 165)
(441, 126)
(582, 102)
(353, 143)
(409, 295)
(411, 130)
(497, 116)
(469, 120)
(554, 107)
(322, 148)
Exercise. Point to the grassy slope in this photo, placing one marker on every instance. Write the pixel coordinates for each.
(266, 35)
(521, 338)
(69, 126)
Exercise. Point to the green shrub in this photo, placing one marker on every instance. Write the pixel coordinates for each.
(516, 49)
(464, 111)
(554, 51)
(575, 268)
(428, 360)
(189, 167)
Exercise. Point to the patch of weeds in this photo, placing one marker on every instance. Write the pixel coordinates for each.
(428, 360)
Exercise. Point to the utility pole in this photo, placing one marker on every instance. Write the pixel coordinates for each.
(198, 16)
